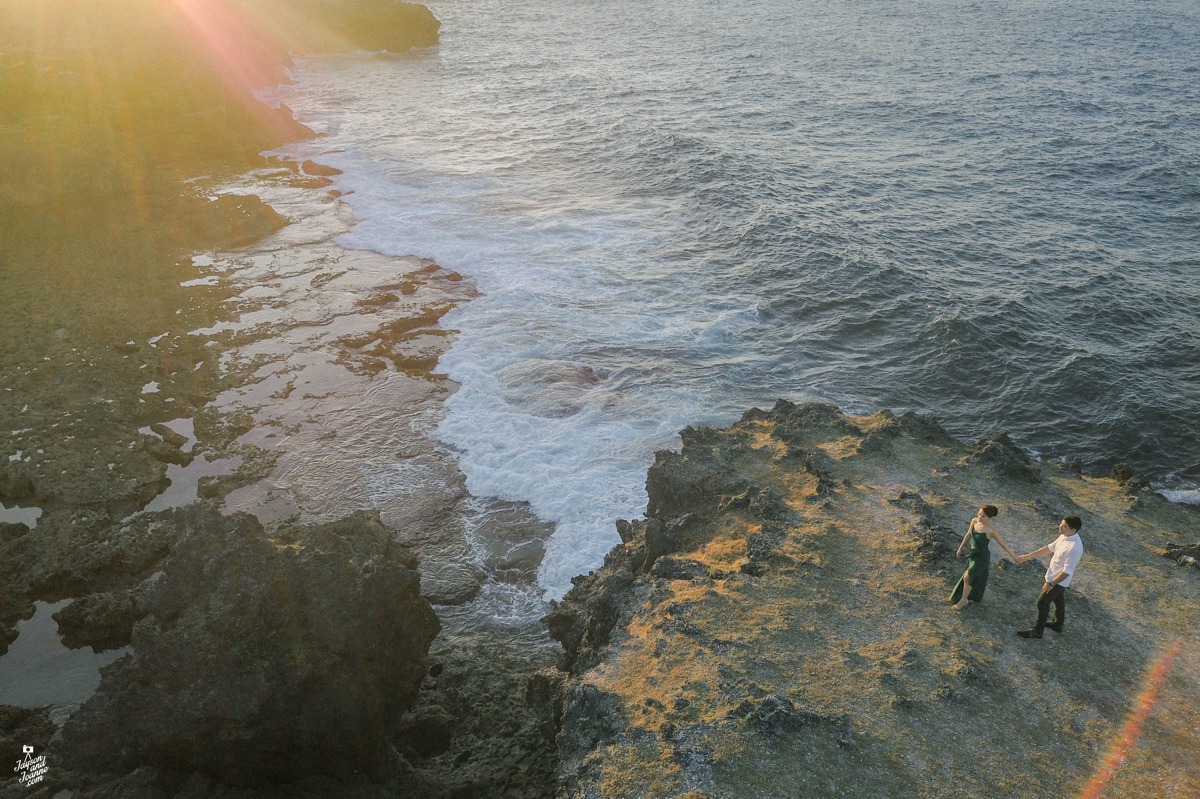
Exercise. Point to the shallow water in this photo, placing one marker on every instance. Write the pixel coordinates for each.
(38, 670)
(986, 211)
(17, 514)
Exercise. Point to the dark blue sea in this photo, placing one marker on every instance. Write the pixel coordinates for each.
(675, 210)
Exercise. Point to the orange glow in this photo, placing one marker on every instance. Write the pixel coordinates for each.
(235, 48)
(1124, 743)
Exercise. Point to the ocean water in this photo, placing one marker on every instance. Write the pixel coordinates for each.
(676, 210)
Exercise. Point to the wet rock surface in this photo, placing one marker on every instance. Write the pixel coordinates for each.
(103, 620)
(268, 660)
(475, 730)
(449, 583)
(262, 658)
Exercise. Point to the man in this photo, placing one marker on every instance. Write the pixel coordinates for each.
(1065, 552)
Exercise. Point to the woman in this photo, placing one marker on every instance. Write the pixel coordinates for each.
(979, 560)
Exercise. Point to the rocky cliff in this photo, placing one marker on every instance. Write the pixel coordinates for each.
(263, 658)
(778, 625)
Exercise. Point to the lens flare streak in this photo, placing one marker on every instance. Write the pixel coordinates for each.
(1127, 739)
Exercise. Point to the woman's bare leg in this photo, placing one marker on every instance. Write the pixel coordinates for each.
(966, 592)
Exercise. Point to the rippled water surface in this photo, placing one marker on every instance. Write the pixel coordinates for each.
(675, 210)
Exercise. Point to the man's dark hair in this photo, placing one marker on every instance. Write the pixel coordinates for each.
(1074, 522)
(991, 511)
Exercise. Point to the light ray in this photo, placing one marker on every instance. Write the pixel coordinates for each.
(1160, 669)
(238, 50)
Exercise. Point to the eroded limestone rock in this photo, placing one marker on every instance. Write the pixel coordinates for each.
(264, 659)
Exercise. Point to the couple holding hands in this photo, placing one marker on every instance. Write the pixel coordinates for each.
(1065, 552)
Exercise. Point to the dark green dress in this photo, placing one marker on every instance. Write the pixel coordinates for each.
(979, 563)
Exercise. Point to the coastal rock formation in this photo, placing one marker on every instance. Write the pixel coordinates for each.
(103, 620)
(999, 452)
(777, 624)
(322, 26)
(1184, 554)
(263, 658)
(18, 727)
(76, 552)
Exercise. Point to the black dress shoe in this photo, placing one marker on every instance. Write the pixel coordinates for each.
(1056, 627)
(1029, 634)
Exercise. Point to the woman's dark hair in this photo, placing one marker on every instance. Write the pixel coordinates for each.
(991, 511)
(1074, 522)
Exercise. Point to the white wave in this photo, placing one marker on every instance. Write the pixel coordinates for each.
(1185, 496)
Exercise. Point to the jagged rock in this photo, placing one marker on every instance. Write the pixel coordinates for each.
(21, 726)
(857, 630)
(999, 452)
(240, 219)
(795, 425)
(689, 483)
(589, 716)
(1128, 479)
(695, 755)
(880, 438)
(774, 715)
(681, 627)
(543, 693)
(1183, 554)
(766, 504)
(11, 531)
(819, 465)
(102, 621)
(813, 415)
(483, 724)
(165, 452)
(14, 612)
(430, 733)
(85, 552)
(758, 547)
(916, 503)
(16, 482)
(931, 542)
(135, 479)
(924, 426)
(264, 658)
(752, 569)
(584, 620)
(674, 568)
(814, 461)
(760, 503)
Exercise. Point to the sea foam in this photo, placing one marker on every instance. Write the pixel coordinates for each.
(673, 216)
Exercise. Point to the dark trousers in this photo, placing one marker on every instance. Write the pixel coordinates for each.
(1054, 594)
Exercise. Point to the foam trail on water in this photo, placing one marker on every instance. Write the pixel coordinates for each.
(558, 401)
(669, 219)
(1183, 496)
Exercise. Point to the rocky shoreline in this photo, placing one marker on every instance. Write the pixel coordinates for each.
(777, 624)
(148, 398)
(773, 626)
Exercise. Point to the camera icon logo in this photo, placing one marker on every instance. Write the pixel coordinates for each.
(27, 750)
